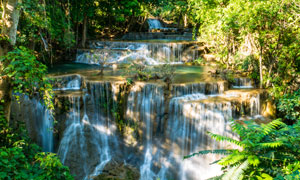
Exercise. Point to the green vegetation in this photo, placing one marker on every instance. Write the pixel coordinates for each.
(265, 151)
(20, 158)
(28, 76)
(289, 106)
(260, 37)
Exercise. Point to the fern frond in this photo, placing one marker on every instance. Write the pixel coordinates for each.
(215, 162)
(224, 138)
(238, 128)
(274, 144)
(232, 159)
(239, 171)
(216, 178)
(267, 128)
(236, 172)
(217, 151)
(253, 160)
(228, 174)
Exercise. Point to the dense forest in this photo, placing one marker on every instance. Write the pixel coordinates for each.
(256, 38)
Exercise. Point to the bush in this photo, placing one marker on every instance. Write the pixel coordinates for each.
(289, 106)
(27, 74)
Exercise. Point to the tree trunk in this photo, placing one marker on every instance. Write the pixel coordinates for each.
(185, 21)
(10, 19)
(84, 30)
(260, 68)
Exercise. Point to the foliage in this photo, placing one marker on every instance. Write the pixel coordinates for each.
(240, 32)
(266, 151)
(166, 72)
(140, 71)
(171, 10)
(289, 106)
(143, 72)
(27, 75)
(21, 159)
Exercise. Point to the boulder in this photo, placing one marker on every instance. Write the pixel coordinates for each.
(118, 171)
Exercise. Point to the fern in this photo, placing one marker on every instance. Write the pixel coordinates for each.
(268, 151)
(232, 159)
(236, 172)
(271, 144)
(216, 178)
(217, 151)
(224, 138)
(253, 160)
(267, 128)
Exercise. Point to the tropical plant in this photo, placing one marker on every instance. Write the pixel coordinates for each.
(267, 151)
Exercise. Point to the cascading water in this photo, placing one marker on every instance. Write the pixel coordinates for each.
(154, 24)
(146, 105)
(167, 122)
(38, 119)
(243, 83)
(89, 131)
(203, 87)
(127, 52)
(69, 82)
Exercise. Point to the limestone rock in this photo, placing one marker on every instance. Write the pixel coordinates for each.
(118, 171)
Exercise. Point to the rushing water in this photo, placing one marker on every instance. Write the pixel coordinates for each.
(167, 122)
(154, 24)
(38, 120)
(126, 52)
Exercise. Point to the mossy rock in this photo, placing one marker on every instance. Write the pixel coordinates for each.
(118, 171)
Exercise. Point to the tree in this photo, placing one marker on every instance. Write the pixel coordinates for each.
(267, 32)
(10, 20)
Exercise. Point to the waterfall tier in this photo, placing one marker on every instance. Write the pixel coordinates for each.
(150, 53)
(163, 125)
(106, 117)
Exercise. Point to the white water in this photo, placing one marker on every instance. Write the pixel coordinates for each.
(243, 83)
(145, 105)
(139, 52)
(46, 127)
(190, 117)
(64, 83)
(187, 126)
(38, 118)
(89, 130)
(154, 24)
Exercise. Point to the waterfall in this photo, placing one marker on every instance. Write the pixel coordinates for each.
(242, 83)
(67, 82)
(154, 24)
(145, 106)
(46, 126)
(203, 87)
(149, 126)
(187, 127)
(38, 119)
(89, 131)
(126, 52)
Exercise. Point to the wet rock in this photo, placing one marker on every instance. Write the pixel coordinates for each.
(118, 171)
